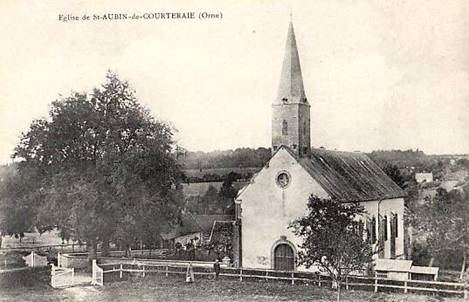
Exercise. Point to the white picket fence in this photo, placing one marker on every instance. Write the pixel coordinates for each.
(35, 260)
(375, 284)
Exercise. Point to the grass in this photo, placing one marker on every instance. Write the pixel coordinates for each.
(173, 288)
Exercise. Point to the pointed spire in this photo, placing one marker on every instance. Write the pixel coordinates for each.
(291, 87)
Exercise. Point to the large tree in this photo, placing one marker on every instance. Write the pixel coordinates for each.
(228, 193)
(16, 205)
(394, 173)
(333, 238)
(106, 167)
(444, 219)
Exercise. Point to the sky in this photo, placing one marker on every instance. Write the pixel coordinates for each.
(378, 74)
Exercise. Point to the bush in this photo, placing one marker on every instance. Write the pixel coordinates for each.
(33, 276)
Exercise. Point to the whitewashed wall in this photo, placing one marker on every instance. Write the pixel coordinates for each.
(267, 210)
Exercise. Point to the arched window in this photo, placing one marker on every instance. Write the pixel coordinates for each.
(284, 127)
(373, 230)
(385, 227)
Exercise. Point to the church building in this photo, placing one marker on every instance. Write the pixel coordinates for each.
(278, 193)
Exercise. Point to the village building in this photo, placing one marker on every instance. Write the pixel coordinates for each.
(424, 177)
(193, 229)
(278, 193)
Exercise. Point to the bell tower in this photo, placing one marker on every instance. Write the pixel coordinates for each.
(291, 110)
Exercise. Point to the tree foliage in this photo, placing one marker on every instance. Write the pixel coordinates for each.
(238, 158)
(105, 167)
(393, 172)
(16, 207)
(221, 241)
(228, 193)
(444, 219)
(333, 238)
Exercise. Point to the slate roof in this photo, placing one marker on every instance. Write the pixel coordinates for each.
(291, 87)
(350, 176)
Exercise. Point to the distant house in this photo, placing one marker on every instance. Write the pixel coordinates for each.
(195, 229)
(423, 177)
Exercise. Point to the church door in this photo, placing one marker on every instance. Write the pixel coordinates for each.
(284, 258)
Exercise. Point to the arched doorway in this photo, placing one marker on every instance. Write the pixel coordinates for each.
(284, 258)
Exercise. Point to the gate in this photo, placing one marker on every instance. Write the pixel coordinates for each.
(61, 276)
(97, 274)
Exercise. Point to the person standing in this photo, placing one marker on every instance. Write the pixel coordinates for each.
(216, 268)
(128, 251)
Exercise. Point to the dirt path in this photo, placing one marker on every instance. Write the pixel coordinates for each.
(81, 293)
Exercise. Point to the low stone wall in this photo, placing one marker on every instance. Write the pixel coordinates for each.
(76, 261)
(138, 253)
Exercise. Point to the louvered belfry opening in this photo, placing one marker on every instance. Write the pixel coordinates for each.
(284, 258)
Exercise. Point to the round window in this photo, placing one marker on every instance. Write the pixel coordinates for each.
(283, 179)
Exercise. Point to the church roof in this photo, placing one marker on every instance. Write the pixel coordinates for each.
(350, 176)
(291, 87)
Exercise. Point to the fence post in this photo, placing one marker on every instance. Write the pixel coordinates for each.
(52, 273)
(73, 247)
(167, 268)
(465, 291)
(143, 275)
(405, 287)
(32, 258)
(240, 274)
(59, 261)
(93, 272)
(376, 285)
(319, 280)
(120, 271)
(293, 278)
(346, 282)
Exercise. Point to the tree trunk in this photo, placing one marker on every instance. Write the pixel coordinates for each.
(105, 248)
(93, 252)
(432, 259)
(463, 266)
(339, 284)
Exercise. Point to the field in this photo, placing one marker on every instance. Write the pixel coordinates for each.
(160, 288)
(32, 238)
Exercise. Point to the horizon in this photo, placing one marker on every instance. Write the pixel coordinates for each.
(378, 76)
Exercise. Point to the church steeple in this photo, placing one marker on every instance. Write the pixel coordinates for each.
(291, 87)
(290, 110)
